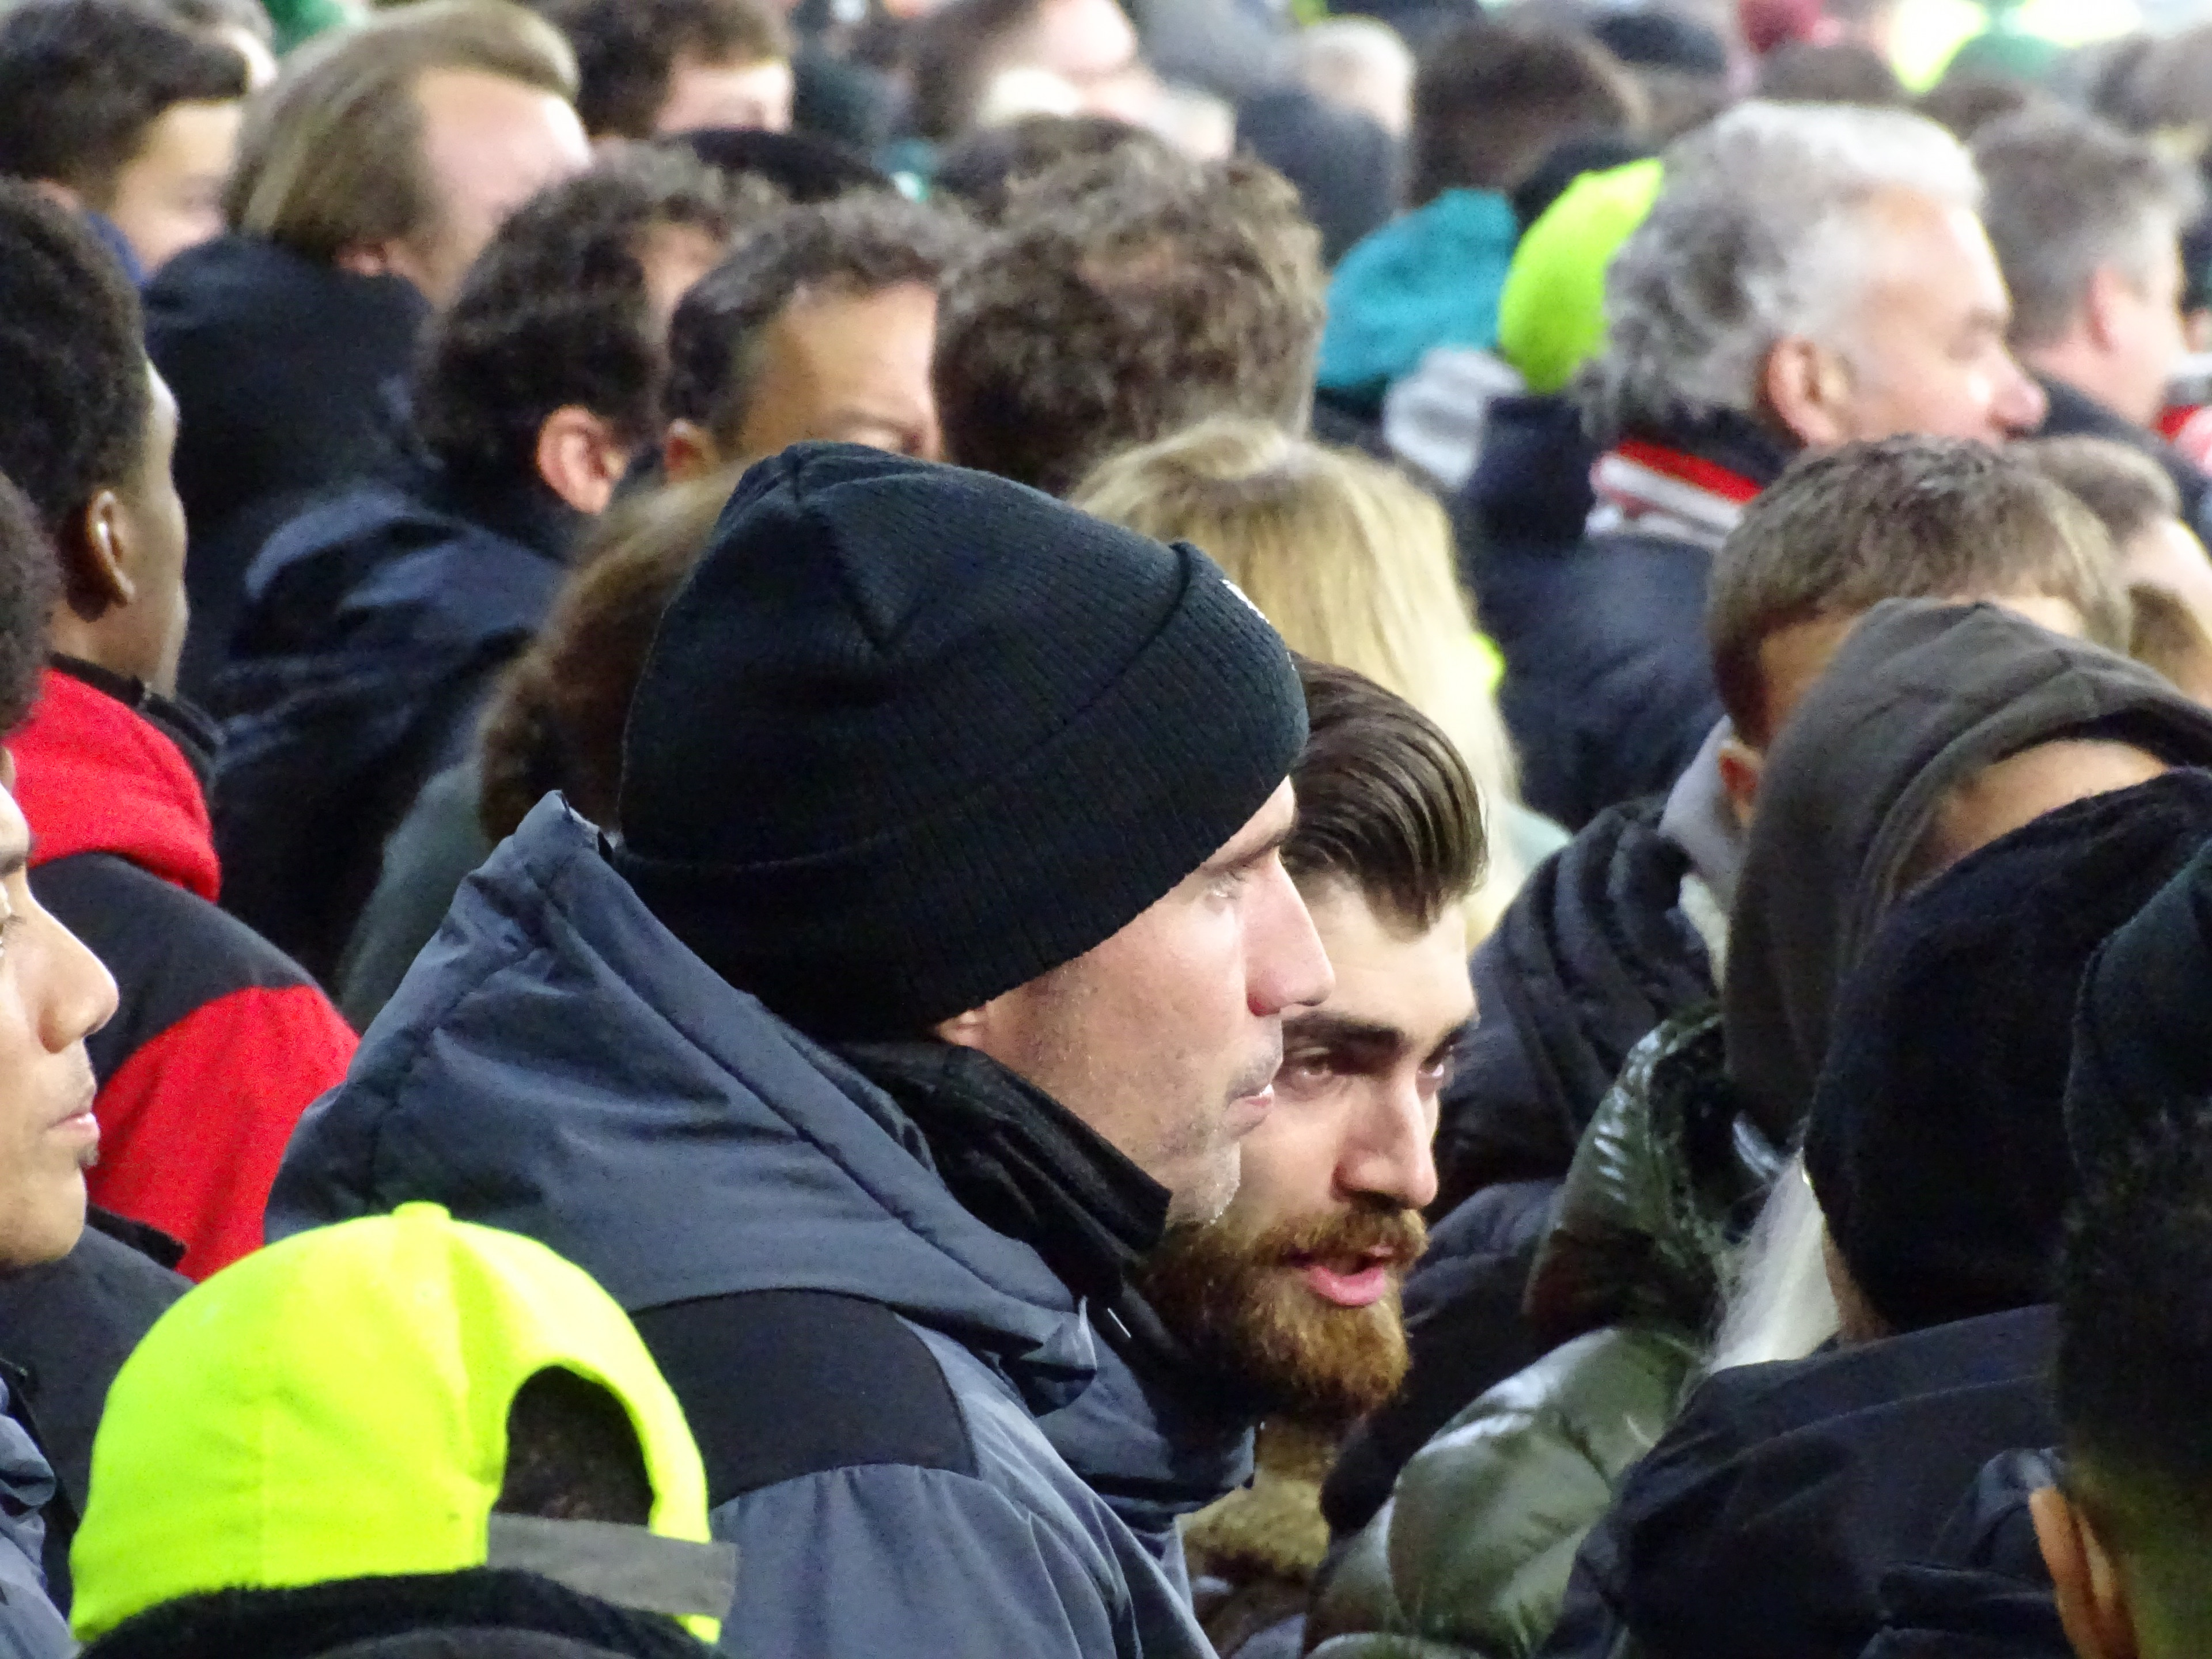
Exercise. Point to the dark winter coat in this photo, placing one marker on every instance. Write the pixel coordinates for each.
(66, 1328)
(1608, 688)
(219, 1041)
(1766, 1520)
(1983, 1589)
(375, 627)
(30, 1625)
(288, 375)
(861, 1358)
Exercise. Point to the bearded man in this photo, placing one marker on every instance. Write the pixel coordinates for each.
(1285, 1311)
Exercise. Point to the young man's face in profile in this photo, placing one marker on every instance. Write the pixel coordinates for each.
(53, 993)
(1293, 1293)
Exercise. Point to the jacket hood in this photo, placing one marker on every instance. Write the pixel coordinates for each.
(1593, 953)
(1660, 1187)
(1431, 277)
(558, 1064)
(1920, 698)
(93, 774)
(250, 283)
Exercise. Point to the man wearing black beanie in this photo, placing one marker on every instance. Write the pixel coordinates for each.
(940, 961)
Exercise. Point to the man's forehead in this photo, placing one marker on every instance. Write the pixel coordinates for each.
(1390, 977)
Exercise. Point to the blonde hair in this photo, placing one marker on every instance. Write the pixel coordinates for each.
(332, 154)
(1353, 564)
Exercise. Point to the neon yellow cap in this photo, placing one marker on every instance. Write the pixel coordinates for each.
(1550, 314)
(335, 1407)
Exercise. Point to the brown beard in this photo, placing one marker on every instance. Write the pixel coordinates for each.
(1234, 1299)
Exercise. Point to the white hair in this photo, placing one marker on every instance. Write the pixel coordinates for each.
(1779, 1304)
(1754, 237)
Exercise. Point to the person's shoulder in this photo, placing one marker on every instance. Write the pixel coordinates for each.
(171, 951)
(786, 1383)
(1786, 1395)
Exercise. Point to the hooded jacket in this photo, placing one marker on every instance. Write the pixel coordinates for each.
(219, 1042)
(285, 372)
(374, 627)
(1920, 698)
(31, 1626)
(862, 1358)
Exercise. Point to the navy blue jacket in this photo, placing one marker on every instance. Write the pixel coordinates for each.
(1608, 688)
(375, 626)
(1767, 1518)
(862, 1360)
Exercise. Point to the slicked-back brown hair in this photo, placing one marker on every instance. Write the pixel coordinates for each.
(1385, 802)
(1126, 297)
(332, 154)
(1898, 519)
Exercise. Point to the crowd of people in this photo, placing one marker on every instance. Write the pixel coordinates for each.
(1082, 827)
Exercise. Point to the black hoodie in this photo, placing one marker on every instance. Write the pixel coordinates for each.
(287, 375)
(1921, 697)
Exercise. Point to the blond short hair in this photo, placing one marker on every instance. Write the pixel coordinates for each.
(331, 156)
(1351, 560)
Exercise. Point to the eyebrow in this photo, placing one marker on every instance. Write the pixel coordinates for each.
(15, 860)
(1344, 1031)
(1237, 860)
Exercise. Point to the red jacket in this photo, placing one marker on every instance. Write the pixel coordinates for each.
(219, 1041)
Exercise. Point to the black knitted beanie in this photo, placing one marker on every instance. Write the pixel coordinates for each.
(911, 736)
(1936, 1142)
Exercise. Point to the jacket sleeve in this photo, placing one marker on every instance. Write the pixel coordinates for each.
(890, 1559)
(1479, 1538)
(194, 1123)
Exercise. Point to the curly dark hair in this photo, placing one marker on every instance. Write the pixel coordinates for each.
(30, 581)
(861, 244)
(72, 362)
(1123, 298)
(627, 51)
(82, 80)
(557, 311)
(983, 169)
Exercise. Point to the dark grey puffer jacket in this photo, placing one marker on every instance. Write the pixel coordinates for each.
(862, 1360)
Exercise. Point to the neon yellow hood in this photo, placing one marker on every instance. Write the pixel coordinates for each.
(335, 1407)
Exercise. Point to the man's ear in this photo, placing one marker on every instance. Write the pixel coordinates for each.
(1741, 766)
(2102, 302)
(2092, 1598)
(689, 452)
(579, 458)
(1806, 388)
(966, 1031)
(96, 575)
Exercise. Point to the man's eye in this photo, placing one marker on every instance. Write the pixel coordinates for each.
(1438, 1072)
(1306, 1070)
